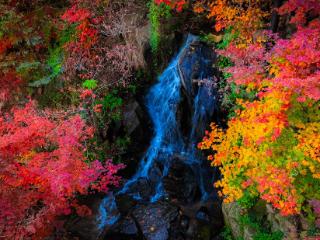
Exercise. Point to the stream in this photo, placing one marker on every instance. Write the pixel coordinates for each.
(172, 173)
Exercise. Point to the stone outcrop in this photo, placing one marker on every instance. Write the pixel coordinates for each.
(293, 227)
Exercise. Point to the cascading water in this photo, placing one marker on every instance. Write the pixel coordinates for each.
(162, 103)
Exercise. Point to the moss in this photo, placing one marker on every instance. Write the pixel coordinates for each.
(226, 234)
(260, 226)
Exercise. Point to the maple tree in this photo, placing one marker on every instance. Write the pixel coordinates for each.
(43, 169)
(9, 83)
(245, 142)
(300, 10)
(86, 33)
(243, 16)
(295, 62)
(270, 149)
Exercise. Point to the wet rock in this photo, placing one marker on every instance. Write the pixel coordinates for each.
(144, 187)
(189, 227)
(195, 64)
(127, 226)
(181, 182)
(131, 117)
(199, 81)
(155, 173)
(154, 219)
(178, 228)
(108, 212)
(213, 209)
(218, 238)
(135, 125)
(203, 215)
(184, 115)
(125, 203)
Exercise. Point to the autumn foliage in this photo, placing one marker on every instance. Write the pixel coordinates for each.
(244, 16)
(85, 30)
(48, 155)
(43, 169)
(270, 149)
(174, 4)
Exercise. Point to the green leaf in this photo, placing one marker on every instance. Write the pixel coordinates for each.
(90, 84)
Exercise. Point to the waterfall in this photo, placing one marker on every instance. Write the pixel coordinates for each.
(162, 102)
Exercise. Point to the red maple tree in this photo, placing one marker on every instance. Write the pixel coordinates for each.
(43, 169)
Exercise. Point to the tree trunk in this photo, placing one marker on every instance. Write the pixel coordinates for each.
(275, 16)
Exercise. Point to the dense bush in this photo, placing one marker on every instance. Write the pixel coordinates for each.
(43, 169)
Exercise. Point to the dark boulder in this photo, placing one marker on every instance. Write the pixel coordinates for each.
(154, 219)
(196, 63)
(132, 116)
(144, 187)
(126, 228)
(199, 78)
(125, 203)
(86, 227)
(181, 182)
(137, 126)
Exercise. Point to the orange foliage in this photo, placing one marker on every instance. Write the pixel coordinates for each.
(271, 148)
(240, 150)
(244, 16)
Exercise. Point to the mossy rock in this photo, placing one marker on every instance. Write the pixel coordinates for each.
(231, 213)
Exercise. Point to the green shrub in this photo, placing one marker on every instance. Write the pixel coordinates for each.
(156, 12)
(111, 104)
(90, 84)
(262, 230)
(224, 62)
(226, 234)
(228, 36)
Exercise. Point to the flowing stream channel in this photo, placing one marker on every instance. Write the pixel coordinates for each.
(162, 102)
